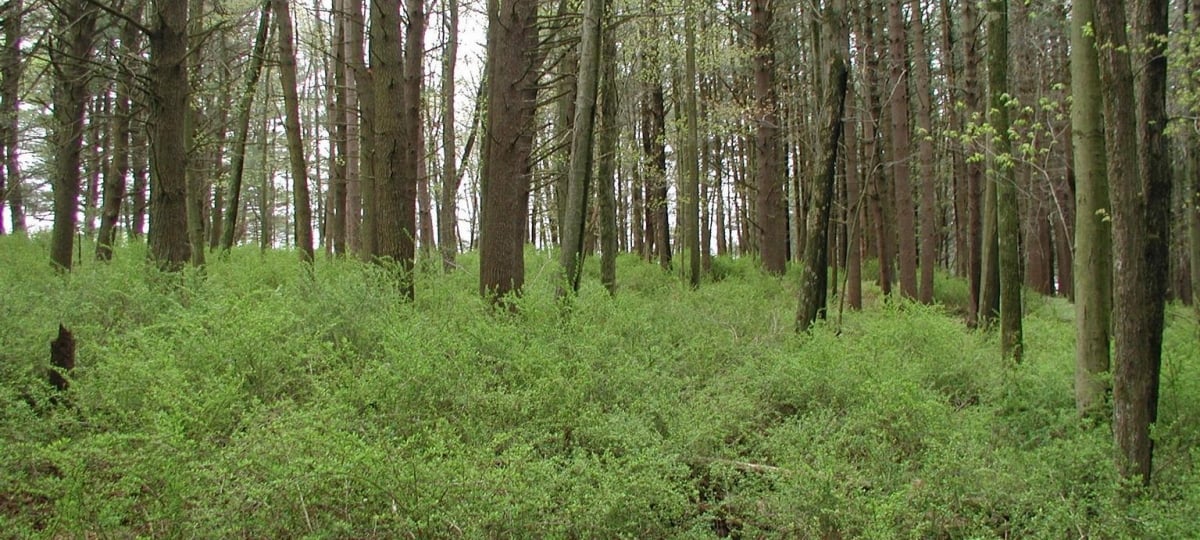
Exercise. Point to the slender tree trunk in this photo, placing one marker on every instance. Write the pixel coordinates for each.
(75, 24)
(579, 173)
(813, 285)
(978, 306)
(854, 203)
(302, 225)
(244, 106)
(929, 228)
(340, 117)
(448, 217)
(691, 163)
(905, 209)
(196, 172)
(122, 120)
(11, 69)
(607, 148)
(414, 140)
(1093, 234)
(1008, 226)
(513, 62)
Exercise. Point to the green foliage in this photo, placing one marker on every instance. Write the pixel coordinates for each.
(251, 400)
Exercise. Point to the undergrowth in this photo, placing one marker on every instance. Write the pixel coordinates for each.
(250, 400)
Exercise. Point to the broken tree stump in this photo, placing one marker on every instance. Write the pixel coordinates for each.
(62, 358)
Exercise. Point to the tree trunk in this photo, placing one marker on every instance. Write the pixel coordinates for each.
(582, 133)
(1008, 225)
(196, 172)
(929, 228)
(448, 217)
(302, 224)
(975, 181)
(1093, 233)
(168, 239)
(771, 205)
(905, 210)
(691, 164)
(11, 69)
(414, 83)
(1138, 237)
(122, 121)
(245, 102)
(75, 23)
(813, 284)
(607, 149)
(339, 119)
(513, 65)
(854, 212)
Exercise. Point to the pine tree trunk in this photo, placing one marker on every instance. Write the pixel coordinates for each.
(245, 102)
(448, 217)
(771, 205)
(906, 231)
(513, 63)
(1008, 225)
(929, 228)
(302, 224)
(75, 23)
(607, 148)
(122, 121)
(168, 240)
(11, 69)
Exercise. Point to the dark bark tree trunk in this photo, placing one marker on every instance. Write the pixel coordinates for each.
(395, 183)
(929, 228)
(906, 217)
(75, 23)
(414, 132)
(122, 121)
(854, 204)
(607, 149)
(245, 103)
(168, 240)
(196, 172)
(654, 134)
(513, 66)
(339, 119)
(302, 231)
(364, 83)
(771, 204)
(813, 285)
(1136, 150)
(11, 69)
(690, 166)
(975, 179)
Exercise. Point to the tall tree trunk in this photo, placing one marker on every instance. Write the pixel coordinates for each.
(1136, 150)
(607, 149)
(813, 285)
(75, 24)
(364, 84)
(929, 228)
(122, 121)
(906, 211)
(302, 224)
(448, 217)
(1093, 233)
(854, 203)
(414, 84)
(245, 103)
(11, 68)
(691, 163)
(975, 179)
(339, 119)
(513, 65)
(168, 240)
(582, 134)
(196, 182)
(771, 205)
(1008, 225)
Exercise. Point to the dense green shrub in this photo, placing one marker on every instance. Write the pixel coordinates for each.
(254, 399)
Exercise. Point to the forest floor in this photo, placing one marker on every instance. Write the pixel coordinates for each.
(255, 401)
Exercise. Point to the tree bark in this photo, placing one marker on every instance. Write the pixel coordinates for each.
(609, 131)
(448, 217)
(414, 83)
(168, 240)
(302, 231)
(75, 24)
(691, 163)
(513, 67)
(196, 181)
(1008, 225)
(245, 102)
(582, 134)
(770, 205)
(905, 210)
(813, 284)
(122, 120)
(11, 70)
(929, 229)
(1138, 237)
(1093, 218)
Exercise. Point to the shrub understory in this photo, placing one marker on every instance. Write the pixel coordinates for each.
(250, 400)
